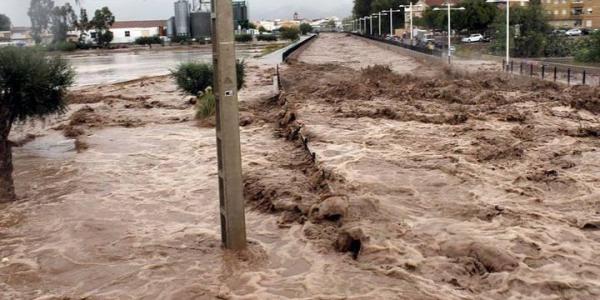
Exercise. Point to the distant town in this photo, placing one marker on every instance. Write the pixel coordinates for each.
(191, 21)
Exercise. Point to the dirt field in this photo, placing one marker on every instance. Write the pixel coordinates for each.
(362, 182)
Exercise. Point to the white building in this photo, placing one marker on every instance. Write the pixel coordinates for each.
(125, 32)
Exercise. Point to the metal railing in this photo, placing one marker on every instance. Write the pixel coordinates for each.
(571, 75)
(434, 52)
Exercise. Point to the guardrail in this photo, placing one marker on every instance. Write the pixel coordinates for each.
(554, 72)
(287, 53)
(433, 52)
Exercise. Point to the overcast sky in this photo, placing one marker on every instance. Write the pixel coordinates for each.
(163, 9)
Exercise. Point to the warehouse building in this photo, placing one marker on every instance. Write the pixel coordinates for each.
(128, 31)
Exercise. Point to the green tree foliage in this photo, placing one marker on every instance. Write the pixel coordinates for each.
(102, 21)
(306, 28)
(432, 19)
(290, 33)
(32, 85)
(529, 31)
(83, 25)
(40, 13)
(194, 77)
(362, 8)
(63, 19)
(591, 51)
(262, 29)
(4, 23)
(477, 17)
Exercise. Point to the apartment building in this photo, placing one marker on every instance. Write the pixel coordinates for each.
(573, 13)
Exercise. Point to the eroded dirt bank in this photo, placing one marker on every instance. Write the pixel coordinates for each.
(468, 185)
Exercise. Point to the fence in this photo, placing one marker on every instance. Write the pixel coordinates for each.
(554, 72)
(433, 52)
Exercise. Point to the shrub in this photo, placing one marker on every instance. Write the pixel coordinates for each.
(206, 105)
(305, 28)
(181, 39)
(148, 40)
(63, 46)
(267, 38)
(243, 38)
(590, 52)
(290, 33)
(194, 77)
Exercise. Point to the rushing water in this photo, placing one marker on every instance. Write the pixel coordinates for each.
(104, 68)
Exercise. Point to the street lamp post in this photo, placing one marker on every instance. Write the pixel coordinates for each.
(449, 5)
(378, 15)
(410, 9)
(392, 11)
(507, 24)
(370, 24)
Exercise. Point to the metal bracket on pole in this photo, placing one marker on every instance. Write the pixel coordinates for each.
(233, 222)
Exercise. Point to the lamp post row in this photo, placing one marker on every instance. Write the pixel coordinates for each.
(362, 22)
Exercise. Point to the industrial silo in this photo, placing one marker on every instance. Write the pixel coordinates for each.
(182, 18)
(201, 24)
(171, 27)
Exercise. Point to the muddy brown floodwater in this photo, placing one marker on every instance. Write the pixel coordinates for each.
(362, 182)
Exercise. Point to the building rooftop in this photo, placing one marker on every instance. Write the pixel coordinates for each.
(139, 24)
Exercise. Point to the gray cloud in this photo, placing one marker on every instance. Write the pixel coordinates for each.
(162, 9)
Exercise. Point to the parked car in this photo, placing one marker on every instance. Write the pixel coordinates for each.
(574, 32)
(473, 38)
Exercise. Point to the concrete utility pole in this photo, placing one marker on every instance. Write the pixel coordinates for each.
(231, 198)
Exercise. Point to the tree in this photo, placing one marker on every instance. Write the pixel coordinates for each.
(306, 28)
(4, 23)
(83, 25)
(362, 8)
(102, 21)
(529, 30)
(31, 86)
(262, 29)
(477, 16)
(290, 33)
(63, 19)
(590, 52)
(40, 12)
(432, 19)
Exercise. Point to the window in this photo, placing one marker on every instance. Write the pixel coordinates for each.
(93, 35)
(588, 23)
(556, 12)
(127, 33)
(564, 11)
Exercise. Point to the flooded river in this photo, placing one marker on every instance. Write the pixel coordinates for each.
(113, 67)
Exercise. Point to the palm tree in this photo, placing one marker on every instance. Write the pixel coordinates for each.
(31, 86)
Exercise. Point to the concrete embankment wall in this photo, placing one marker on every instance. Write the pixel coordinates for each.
(294, 52)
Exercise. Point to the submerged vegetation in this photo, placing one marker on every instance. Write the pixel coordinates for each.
(197, 79)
